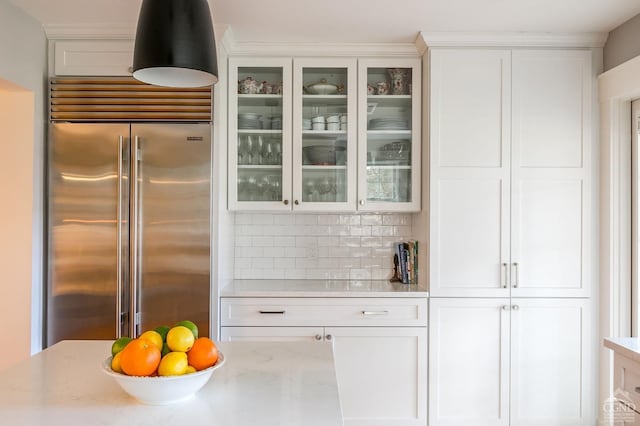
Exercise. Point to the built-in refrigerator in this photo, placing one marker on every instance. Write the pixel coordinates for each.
(129, 228)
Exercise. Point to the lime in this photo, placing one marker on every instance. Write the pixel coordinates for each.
(191, 326)
(154, 337)
(165, 349)
(119, 345)
(173, 364)
(180, 339)
(115, 363)
(162, 330)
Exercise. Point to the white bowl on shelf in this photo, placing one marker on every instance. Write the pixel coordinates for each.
(163, 390)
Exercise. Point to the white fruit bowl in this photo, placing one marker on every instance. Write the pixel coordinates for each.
(162, 390)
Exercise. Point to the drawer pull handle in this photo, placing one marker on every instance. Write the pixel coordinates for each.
(375, 312)
(272, 312)
(318, 337)
(328, 337)
(637, 389)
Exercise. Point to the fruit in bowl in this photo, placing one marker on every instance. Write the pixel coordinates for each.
(164, 365)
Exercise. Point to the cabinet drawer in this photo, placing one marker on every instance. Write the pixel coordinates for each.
(627, 379)
(300, 312)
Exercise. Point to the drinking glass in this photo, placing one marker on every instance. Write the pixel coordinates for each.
(257, 151)
(248, 150)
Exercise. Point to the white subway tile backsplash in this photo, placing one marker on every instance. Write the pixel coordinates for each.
(317, 246)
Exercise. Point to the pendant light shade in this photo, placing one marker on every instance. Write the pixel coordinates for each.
(175, 45)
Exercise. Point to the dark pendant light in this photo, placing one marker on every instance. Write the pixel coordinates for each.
(175, 45)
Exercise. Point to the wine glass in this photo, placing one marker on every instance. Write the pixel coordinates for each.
(248, 150)
(257, 151)
(310, 190)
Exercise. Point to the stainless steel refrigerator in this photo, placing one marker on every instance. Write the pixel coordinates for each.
(129, 222)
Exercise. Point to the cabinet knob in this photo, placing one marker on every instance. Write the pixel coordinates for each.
(286, 202)
(318, 337)
(505, 308)
(515, 307)
(296, 202)
(328, 337)
(362, 202)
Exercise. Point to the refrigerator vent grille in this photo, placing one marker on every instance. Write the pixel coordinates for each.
(109, 99)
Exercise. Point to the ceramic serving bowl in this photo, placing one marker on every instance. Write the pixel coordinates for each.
(322, 88)
(162, 390)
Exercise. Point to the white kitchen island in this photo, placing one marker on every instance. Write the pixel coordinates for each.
(266, 384)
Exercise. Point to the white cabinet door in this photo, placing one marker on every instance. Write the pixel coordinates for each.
(550, 363)
(469, 362)
(470, 182)
(271, 334)
(551, 147)
(93, 57)
(382, 376)
(389, 134)
(324, 151)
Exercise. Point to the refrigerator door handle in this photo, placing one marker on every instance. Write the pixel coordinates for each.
(119, 315)
(133, 241)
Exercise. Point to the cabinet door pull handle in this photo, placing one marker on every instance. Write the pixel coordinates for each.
(505, 276)
(516, 281)
(296, 202)
(505, 307)
(318, 337)
(515, 307)
(328, 337)
(286, 202)
(375, 312)
(362, 202)
(272, 312)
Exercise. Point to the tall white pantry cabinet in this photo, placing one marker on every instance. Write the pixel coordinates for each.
(510, 237)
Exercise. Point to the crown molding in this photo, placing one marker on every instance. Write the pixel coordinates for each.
(89, 32)
(318, 49)
(512, 39)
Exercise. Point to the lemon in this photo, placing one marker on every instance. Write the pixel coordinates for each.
(173, 364)
(154, 337)
(190, 369)
(115, 363)
(190, 325)
(119, 345)
(180, 339)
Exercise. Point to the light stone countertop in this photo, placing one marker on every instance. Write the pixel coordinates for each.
(266, 384)
(321, 288)
(626, 346)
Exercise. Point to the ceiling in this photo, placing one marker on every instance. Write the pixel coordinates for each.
(358, 21)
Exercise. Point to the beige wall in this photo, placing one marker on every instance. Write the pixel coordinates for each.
(623, 43)
(16, 220)
(23, 62)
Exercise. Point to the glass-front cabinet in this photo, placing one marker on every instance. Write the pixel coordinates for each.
(389, 137)
(324, 134)
(259, 134)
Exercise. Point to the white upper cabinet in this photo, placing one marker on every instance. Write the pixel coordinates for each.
(510, 166)
(324, 134)
(93, 57)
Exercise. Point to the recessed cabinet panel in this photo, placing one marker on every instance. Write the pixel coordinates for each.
(468, 239)
(469, 107)
(469, 362)
(550, 362)
(386, 365)
(547, 248)
(551, 103)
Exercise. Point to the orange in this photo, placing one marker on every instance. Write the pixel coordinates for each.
(140, 357)
(203, 354)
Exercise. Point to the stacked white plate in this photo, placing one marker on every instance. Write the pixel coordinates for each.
(388, 124)
(249, 121)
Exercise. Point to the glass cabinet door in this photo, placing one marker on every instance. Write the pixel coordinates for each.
(259, 119)
(324, 134)
(390, 141)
